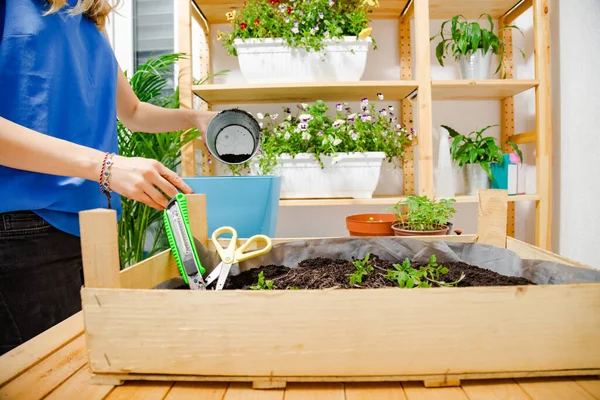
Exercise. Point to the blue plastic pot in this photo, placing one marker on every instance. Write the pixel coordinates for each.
(249, 204)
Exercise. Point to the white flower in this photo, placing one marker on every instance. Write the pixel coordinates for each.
(287, 136)
(380, 96)
(338, 122)
(339, 106)
(337, 141)
(304, 106)
(305, 136)
(305, 117)
(398, 126)
(295, 29)
(324, 141)
(289, 117)
(326, 35)
(365, 117)
(383, 113)
(274, 116)
(391, 108)
(335, 160)
(260, 116)
(351, 117)
(260, 124)
(364, 102)
(303, 126)
(384, 133)
(354, 135)
(409, 137)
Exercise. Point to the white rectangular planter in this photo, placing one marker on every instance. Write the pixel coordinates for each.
(353, 175)
(273, 61)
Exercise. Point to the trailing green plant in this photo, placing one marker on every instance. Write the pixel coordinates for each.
(306, 24)
(475, 148)
(263, 284)
(423, 213)
(150, 84)
(311, 130)
(407, 277)
(363, 268)
(464, 38)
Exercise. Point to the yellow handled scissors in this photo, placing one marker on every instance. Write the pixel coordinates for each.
(233, 254)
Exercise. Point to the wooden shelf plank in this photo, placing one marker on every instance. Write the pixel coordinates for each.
(214, 10)
(445, 9)
(303, 91)
(383, 201)
(490, 89)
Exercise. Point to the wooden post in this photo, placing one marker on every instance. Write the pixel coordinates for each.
(424, 130)
(197, 216)
(491, 222)
(100, 248)
(507, 113)
(408, 167)
(541, 24)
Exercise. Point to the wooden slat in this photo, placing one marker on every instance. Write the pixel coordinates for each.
(383, 200)
(100, 248)
(543, 164)
(416, 391)
(507, 115)
(375, 391)
(214, 10)
(525, 137)
(41, 379)
(197, 391)
(491, 220)
(523, 6)
(140, 391)
(303, 91)
(489, 89)
(425, 126)
(150, 272)
(494, 390)
(244, 391)
(38, 348)
(557, 389)
(315, 391)
(444, 9)
(591, 385)
(526, 250)
(138, 331)
(79, 386)
(408, 167)
(197, 217)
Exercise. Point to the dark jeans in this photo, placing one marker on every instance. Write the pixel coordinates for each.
(40, 277)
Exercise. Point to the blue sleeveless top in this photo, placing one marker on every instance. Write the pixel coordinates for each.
(58, 76)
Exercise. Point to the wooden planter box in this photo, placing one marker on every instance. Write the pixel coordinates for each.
(439, 335)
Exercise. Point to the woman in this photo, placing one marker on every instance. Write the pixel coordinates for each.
(61, 91)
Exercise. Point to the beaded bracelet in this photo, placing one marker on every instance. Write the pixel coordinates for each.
(105, 176)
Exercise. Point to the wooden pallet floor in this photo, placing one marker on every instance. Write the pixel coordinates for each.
(54, 366)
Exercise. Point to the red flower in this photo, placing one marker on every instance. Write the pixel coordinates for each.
(274, 1)
(256, 22)
(289, 10)
(243, 26)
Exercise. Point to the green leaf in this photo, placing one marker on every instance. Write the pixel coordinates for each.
(516, 149)
(476, 36)
(439, 52)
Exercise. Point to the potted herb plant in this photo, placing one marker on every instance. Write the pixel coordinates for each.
(422, 216)
(300, 41)
(471, 45)
(475, 154)
(341, 155)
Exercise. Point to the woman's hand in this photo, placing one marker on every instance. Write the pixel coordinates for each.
(144, 179)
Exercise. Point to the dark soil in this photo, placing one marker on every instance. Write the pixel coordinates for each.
(324, 273)
(234, 158)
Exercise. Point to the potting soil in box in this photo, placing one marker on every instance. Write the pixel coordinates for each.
(327, 263)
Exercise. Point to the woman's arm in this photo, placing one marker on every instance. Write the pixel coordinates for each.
(138, 116)
(136, 178)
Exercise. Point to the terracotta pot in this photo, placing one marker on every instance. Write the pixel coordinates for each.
(404, 232)
(370, 224)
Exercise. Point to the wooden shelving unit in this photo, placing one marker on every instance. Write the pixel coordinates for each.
(409, 84)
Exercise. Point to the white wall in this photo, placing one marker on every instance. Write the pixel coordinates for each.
(576, 122)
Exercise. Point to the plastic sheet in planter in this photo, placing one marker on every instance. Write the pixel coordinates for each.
(499, 260)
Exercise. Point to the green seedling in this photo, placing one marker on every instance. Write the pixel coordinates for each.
(408, 277)
(263, 284)
(363, 268)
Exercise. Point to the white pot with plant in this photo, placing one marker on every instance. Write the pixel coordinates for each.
(301, 41)
(321, 156)
(475, 154)
(471, 46)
